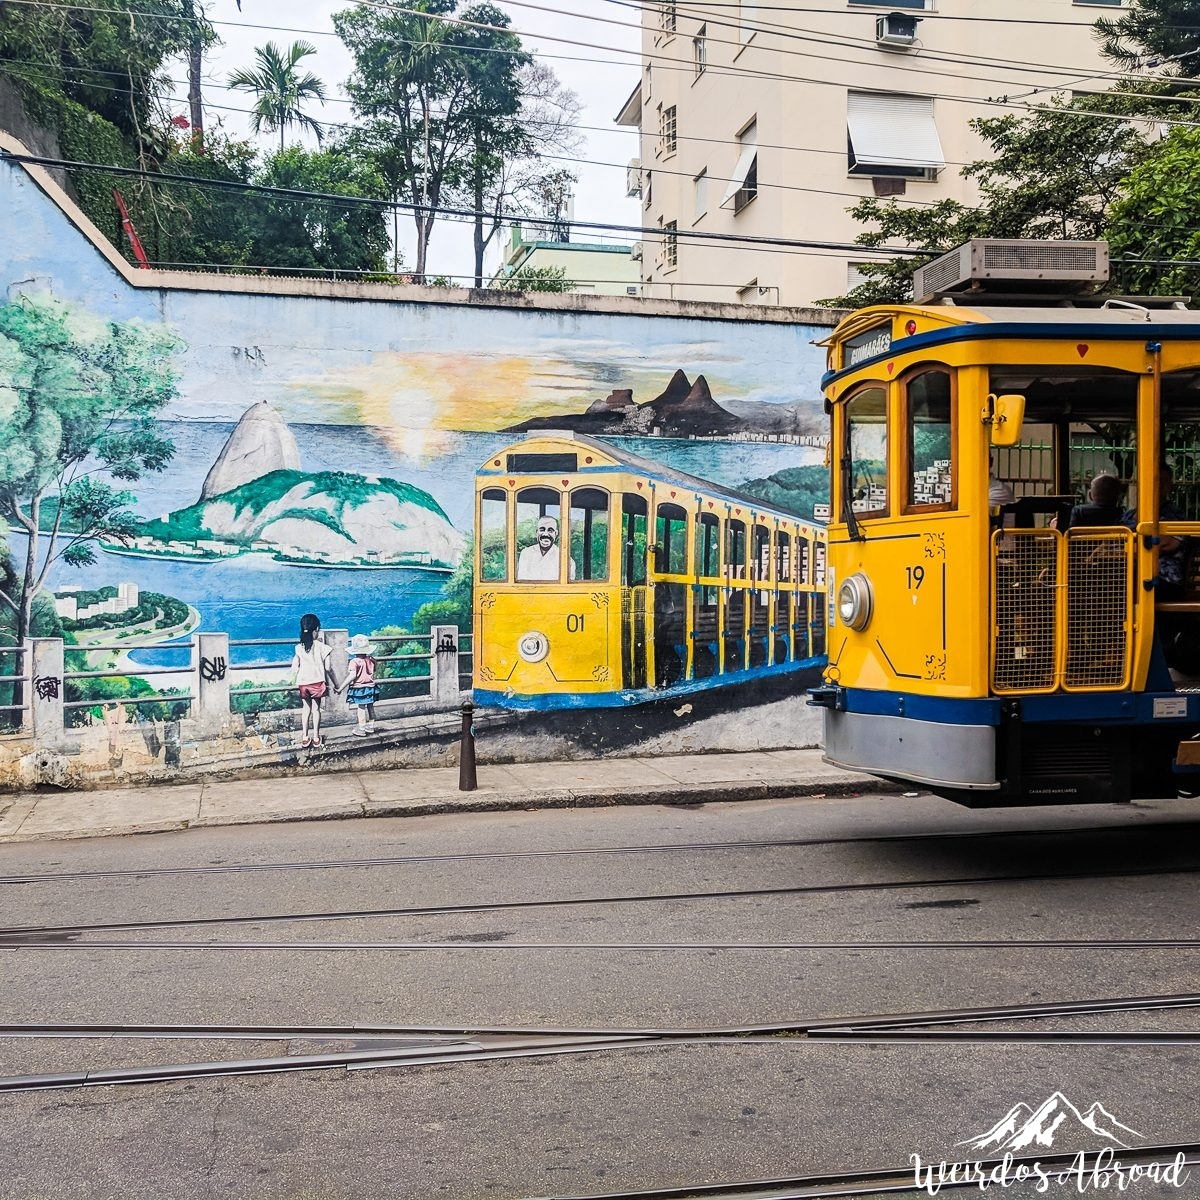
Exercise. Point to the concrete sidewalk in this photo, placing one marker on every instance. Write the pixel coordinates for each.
(684, 779)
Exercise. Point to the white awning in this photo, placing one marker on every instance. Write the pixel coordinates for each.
(738, 181)
(893, 131)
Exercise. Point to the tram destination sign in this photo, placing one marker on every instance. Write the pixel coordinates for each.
(869, 343)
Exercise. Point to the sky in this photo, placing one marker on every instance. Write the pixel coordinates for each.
(602, 81)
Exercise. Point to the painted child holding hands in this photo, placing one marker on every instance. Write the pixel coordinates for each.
(361, 681)
(311, 671)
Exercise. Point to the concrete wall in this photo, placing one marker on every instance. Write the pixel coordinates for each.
(326, 436)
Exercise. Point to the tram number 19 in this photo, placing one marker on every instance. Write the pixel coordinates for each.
(916, 577)
(575, 622)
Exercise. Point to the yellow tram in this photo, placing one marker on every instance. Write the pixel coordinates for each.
(604, 579)
(992, 634)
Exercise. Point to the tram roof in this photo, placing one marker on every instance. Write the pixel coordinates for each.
(873, 331)
(657, 470)
(1120, 314)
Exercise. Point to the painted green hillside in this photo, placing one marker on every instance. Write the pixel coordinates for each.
(337, 491)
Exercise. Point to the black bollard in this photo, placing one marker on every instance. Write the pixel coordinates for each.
(467, 781)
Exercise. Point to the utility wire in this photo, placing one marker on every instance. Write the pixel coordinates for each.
(388, 205)
(566, 158)
(661, 62)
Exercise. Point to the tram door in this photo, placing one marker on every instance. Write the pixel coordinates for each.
(634, 548)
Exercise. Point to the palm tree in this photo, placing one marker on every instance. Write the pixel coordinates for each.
(280, 88)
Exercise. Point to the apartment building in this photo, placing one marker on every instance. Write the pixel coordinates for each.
(770, 120)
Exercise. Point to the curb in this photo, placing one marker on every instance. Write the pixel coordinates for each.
(844, 784)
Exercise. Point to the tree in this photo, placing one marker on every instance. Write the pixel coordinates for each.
(491, 62)
(317, 232)
(186, 222)
(525, 178)
(1157, 218)
(281, 89)
(198, 222)
(536, 279)
(409, 90)
(449, 111)
(104, 56)
(74, 390)
(94, 75)
(1053, 174)
(1154, 29)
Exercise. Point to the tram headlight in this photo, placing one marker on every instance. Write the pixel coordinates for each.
(533, 646)
(855, 601)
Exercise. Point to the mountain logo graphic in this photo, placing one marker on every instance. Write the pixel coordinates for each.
(1055, 1118)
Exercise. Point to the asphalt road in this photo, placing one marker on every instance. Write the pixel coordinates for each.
(845, 908)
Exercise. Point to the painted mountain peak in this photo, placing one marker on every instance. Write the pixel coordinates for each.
(260, 443)
(1023, 1126)
(683, 409)
(328, 518)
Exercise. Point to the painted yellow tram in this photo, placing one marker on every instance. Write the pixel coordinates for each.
(994, 635)
(603, 579)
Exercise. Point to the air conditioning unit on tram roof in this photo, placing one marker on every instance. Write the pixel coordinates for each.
(1013, 265)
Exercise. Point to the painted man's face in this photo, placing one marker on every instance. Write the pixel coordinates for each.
(547, 534)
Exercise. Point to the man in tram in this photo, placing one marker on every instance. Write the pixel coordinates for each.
(539, 561)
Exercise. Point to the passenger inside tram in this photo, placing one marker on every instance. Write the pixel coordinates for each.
(539, 561)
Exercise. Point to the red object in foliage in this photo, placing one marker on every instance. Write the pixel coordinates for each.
(181, 122)
(135, 242)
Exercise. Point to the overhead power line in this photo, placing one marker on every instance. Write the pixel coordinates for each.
(661, 62)
(639, 231)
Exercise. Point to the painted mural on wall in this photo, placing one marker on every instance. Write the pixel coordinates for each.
(281, 455)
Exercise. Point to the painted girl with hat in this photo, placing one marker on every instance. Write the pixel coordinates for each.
(361, 682)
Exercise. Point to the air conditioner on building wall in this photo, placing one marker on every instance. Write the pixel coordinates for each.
(633, 177)
(896, 29)
(636, 252)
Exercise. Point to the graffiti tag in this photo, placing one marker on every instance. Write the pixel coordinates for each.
(212, 670)
(46, 686)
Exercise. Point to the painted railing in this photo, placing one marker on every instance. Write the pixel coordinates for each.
(50, 688)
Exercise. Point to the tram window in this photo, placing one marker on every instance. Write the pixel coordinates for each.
(819, 564)
(930, 432)
(493, 525)
(670, 538)
(708, 542)
(783, 557)
(866, 437)
(802, 560)
(634, 543)
(539, 522)
(760, 558)
(588, 528)
(735, 550)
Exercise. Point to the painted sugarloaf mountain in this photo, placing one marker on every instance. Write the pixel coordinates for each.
(683, 410)
(257, 500)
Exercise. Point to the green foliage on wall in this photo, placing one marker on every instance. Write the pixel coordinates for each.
(795, 489)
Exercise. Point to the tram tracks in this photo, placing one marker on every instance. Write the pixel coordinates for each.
(891, 1181)
(408, 1046)
(951, 836)
(57, 942)
(19, 934)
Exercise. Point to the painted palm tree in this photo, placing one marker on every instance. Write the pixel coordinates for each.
(281, 89)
